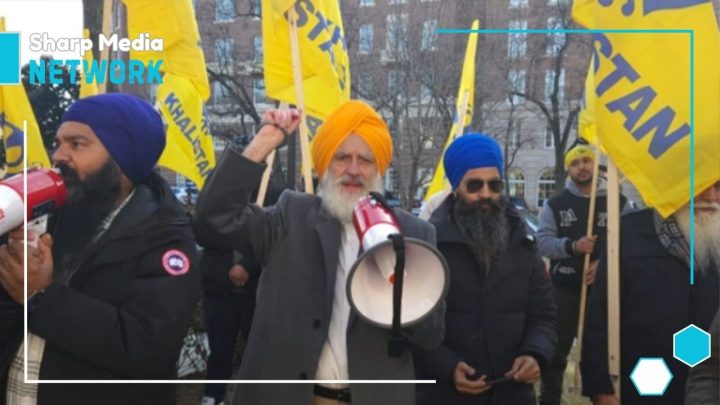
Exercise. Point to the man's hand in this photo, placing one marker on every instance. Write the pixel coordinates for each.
(238, 275)
(525, 369)
(585, 245)
(271, 136)
(465, 385)
(39, 264)
(591, 272)
(605, 399)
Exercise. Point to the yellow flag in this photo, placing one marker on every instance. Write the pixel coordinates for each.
(642, 89)
(14, 109)
(88, 89)
(189, 150)
(173, 22)
(467, 92)
(586, 119)
(181, 97)
(324, 60)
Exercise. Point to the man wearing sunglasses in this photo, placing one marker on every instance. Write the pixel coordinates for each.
(500, 320)
(562, 239)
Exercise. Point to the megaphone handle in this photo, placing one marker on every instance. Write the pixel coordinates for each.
(397, 340)
(39, 227)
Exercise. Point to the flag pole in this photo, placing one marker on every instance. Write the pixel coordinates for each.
(105, 53)
(305, 165)
(613, 280)
(586, 265)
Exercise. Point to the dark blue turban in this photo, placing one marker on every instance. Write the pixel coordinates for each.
(129, 128)
(471, 151)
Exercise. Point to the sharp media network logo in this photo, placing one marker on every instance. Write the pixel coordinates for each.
(117, 71)
(10, 56)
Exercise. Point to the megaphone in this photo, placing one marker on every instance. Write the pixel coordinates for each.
(373, 278)
(46, 193)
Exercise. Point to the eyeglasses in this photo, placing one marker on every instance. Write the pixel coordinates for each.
(475, 185)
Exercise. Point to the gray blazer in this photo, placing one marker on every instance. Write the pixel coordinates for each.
(703, 383)
(298, 245)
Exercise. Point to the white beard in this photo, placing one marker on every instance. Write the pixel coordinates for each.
(340, 203)
(707, 234)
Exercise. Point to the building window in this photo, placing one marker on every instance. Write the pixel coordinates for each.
(425, 94)
(546, 186)
(515, 134)
(221, 95)
(224, 52)
(424, 176)
(395, 82)
(258, 50)
(549, 138)
(516, 183)
(397, 1)
(555, 40)
(224, 10)
(365, 85)
(518, 3)
(256, 9)
(396, 34)
(366, 39)
(390, 180)
(429, 36)
(517, 41)
(550, 83)
(259, 91)
(516, 83)
(367, 3)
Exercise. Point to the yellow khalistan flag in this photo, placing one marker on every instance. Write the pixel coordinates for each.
(324, 60)
(14, 109)
(467, 91)
(88, 89)
(642, 89)
(185, 88)
(586, 119)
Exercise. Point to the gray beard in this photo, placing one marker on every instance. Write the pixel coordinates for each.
(707, 237)
(487, 232)
(339, 203)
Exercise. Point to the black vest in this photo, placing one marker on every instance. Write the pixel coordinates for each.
(571, 218)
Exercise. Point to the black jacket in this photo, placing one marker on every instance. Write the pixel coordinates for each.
(490, 319)
(123, 315)
(656, 301)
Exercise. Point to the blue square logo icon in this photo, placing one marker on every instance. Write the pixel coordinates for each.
(9, 58)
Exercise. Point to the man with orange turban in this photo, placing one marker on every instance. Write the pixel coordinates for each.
(304, 327)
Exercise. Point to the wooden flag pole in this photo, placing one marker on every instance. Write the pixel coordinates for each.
(306, 166)
(586, 266)
(105, 53)
(269, 160)
(613, 284)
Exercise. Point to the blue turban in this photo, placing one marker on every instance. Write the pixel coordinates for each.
(129, 128)
(471, 151)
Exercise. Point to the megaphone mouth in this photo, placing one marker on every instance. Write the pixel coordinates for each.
(369, 285)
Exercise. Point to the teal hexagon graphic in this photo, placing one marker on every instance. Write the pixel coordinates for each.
(651, 376)
(691, 345)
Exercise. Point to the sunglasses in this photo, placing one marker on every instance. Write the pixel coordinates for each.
(475, 185)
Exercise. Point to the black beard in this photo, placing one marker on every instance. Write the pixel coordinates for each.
(89, 202)
(486, 229)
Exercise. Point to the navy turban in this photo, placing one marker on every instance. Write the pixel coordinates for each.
(471, 151)
(129, 128)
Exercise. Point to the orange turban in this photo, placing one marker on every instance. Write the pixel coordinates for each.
(352, 117)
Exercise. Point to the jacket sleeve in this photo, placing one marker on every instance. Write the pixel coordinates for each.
(140, 338)
(11, 318)
(541, 316)
(225, 218)
(549, 243)
(703, 384)
(594, 363)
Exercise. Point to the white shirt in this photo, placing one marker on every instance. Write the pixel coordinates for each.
(333, 363)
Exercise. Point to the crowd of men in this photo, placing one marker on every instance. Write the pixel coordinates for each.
(113, 284)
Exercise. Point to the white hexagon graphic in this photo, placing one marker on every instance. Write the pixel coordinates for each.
(691, 345)
(651, 376)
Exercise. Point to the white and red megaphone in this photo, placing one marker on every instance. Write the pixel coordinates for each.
(372, 278)
(46, 193)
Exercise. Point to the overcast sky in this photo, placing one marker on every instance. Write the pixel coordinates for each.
(59, 18)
